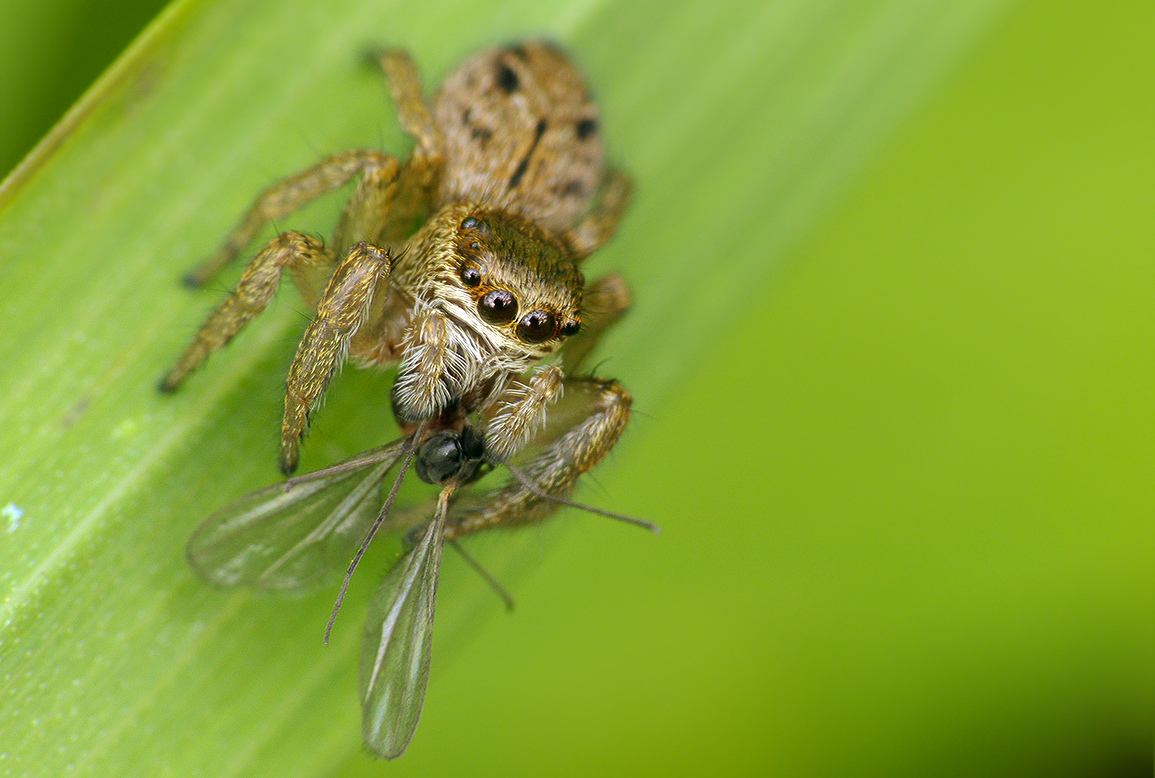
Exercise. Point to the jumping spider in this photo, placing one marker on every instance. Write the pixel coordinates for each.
(506, 181)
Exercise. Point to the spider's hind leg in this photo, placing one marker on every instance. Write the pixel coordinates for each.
(404, 84)
(286, 196)
(595, 230)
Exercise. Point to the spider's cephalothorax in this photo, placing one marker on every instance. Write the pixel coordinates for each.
(507, 183)
(501, 295)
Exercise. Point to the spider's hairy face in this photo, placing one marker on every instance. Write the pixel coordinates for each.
(510, 283)
(493, 295)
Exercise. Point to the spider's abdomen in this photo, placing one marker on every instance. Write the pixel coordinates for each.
(521, 133)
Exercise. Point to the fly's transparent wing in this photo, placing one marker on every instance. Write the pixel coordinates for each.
(398, 640)
(284, 537)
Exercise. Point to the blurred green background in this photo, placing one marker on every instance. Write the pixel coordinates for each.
(901, 456)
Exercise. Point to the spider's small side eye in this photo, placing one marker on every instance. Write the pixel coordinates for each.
(586, 128)
(470, 276)
(537, 327)
(571, 327)
(497, 307)
(473, 223)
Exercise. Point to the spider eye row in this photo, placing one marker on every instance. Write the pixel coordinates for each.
(499, 306)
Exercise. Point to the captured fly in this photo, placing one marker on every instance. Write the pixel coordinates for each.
(286, 537)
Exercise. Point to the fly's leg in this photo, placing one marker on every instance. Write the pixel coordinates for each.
(599, 225)
(284, 197)
(341, 311)
(603, 410)
(288, 251)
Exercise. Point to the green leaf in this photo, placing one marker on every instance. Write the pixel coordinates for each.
(743, 124)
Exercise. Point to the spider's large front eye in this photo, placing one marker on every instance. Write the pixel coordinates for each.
(537, 327)
(497, 307)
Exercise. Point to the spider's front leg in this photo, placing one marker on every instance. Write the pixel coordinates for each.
(520, 412)
(343, 308)
(602, 410)
(583, 418)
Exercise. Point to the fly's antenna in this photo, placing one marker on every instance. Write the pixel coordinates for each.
(410, 448)
(497, 588)
(528, 484)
